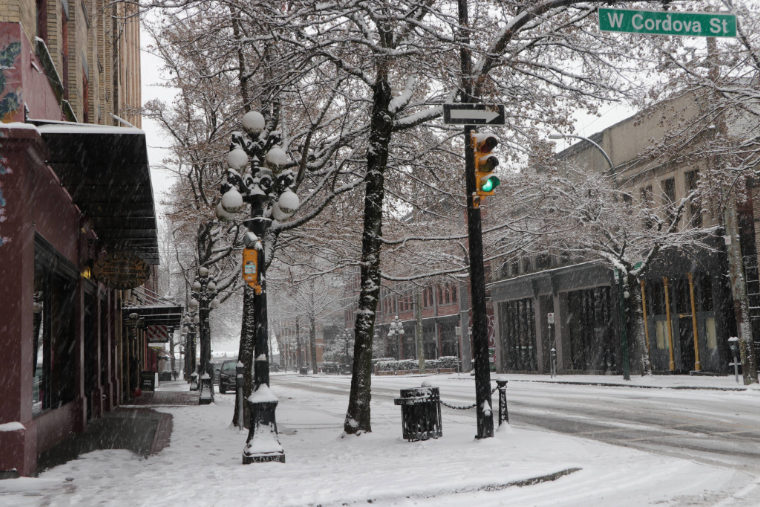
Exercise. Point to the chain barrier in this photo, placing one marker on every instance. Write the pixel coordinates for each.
(467, 407)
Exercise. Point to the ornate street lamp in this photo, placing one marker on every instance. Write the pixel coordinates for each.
(396, 328)
(204, 299)
(189, 326)
(267, 187)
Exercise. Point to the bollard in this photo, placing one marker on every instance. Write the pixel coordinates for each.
(194, 381)
(503, 413)
(239, 384)
(733, 344)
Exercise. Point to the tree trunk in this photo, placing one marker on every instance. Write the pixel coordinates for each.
(313, 343)
(298, 345)
(358, 413)
(245, 355)
(636, 324)
(739, 293)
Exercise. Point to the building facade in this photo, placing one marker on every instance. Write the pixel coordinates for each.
(687, 301)
(74, 189)
(445, 315)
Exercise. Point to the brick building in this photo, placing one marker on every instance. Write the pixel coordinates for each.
(75, 196)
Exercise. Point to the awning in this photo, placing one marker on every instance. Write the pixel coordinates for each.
(106, 172)
(156, 315)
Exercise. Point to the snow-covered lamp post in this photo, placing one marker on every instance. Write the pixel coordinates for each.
(396, 328)
(188, 324)
(204, 298)
(268, 188)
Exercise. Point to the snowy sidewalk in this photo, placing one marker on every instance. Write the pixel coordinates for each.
(202, 466)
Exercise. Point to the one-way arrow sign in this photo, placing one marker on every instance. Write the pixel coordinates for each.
(473, 114)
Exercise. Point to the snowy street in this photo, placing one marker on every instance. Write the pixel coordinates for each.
(202, 466)
(708, 426)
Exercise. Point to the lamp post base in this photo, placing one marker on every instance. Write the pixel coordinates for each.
(263, 443)
(207, 393)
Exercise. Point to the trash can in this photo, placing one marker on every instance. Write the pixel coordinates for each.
(420, 413)
(304, 370)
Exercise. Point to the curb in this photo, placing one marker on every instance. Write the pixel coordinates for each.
(634, 386)
(474, 489)
(604, 384)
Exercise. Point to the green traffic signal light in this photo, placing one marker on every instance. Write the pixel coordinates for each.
(491, 183)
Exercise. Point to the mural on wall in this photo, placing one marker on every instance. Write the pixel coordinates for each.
(4, 169)
(11, 106)
(11, 102)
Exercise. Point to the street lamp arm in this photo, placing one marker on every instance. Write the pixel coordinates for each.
(606, 157)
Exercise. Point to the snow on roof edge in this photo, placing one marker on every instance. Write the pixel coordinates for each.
(85, 128)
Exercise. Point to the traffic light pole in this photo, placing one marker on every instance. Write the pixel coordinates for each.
(478, 290)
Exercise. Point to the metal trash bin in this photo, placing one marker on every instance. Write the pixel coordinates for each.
(304, 370)
(420, 413)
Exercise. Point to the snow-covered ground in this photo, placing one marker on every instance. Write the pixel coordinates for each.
(202, 466)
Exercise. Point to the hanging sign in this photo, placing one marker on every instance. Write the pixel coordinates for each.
(121, 270)
(158, 334)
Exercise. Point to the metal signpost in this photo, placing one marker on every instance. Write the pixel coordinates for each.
(553, 358)
(469, 115)
(685, 24)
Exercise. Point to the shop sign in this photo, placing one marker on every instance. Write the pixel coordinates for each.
(121, 270)
(148, 381)
(158, 334)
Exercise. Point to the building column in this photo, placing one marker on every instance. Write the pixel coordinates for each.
(18, 447)
(560, 330)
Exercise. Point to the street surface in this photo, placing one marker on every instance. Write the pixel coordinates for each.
(712, 427)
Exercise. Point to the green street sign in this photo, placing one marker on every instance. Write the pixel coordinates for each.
(695, 24)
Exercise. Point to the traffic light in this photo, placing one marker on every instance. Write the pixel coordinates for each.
(485, 181)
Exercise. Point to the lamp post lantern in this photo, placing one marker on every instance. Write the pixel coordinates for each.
(268, 189)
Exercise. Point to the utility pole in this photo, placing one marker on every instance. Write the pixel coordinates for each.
(484, 413)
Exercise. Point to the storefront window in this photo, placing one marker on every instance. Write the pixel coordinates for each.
(41, 343)
(712, 338)
(661, 328)
(53, 341)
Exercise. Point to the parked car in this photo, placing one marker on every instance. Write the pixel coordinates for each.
(217, 365)
(227, 376)
(329, 367)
